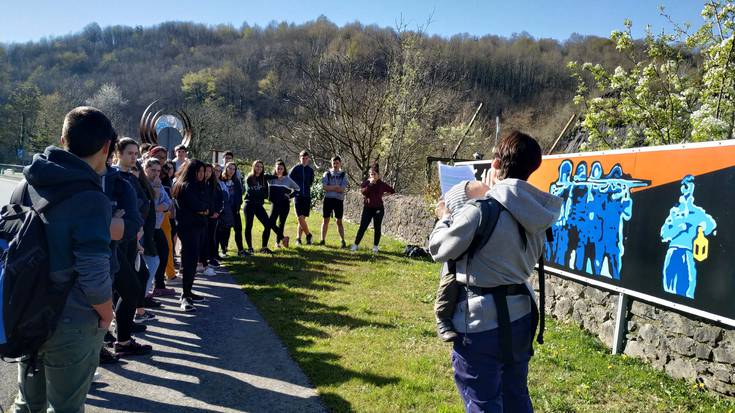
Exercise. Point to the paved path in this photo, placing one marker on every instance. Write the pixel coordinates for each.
(222, 358)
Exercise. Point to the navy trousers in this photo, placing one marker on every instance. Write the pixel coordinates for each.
(484, 381)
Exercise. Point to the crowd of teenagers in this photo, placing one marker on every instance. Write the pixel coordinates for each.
(139, 222)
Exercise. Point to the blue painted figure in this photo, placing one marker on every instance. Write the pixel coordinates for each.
(588, 236)
(680, 230)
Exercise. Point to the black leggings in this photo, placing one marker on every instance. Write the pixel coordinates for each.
(128, 288)
(162, 246)
(209, 243)
(224, 232)
(279, 213)
(368, 214)
(191, 246)
(255, 210)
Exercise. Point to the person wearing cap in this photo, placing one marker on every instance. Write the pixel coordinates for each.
(181, 156)
(303, 175)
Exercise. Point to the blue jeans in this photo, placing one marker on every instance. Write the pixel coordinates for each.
(484, 381)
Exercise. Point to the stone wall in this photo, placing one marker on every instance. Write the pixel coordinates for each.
(679, 344)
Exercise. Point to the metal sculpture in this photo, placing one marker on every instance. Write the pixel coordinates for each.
(147, 125)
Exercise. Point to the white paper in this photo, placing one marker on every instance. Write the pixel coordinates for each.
(452, 175)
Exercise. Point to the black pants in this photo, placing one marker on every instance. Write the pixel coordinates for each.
(191, 245)
(256, 210)
(212, 227)
(224, 233)
(370, 214)
(143, 275)
(279, 213)
(162, 246)
(209, 242)
(128, 289)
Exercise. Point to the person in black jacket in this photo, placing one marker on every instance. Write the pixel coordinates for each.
(129, 285)
(192, 210)
(303, 175)
(256, 191)
(209, 248)
(235, 192)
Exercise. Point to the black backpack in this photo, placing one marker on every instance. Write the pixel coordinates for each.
(30, 303)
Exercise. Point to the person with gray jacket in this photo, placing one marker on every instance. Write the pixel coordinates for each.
(496, 313)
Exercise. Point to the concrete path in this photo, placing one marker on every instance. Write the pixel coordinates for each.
(221, 358)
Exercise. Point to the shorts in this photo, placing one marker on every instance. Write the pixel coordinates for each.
(302, 206)
(333, 206)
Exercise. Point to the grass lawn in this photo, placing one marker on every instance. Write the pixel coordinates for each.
(361, 327)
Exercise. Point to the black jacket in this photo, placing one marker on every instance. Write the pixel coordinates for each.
(191, 200)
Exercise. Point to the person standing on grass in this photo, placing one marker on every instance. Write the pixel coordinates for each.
(78, 231)
(373, 209)
(192, 210)
(280, 191)
(256, 192)
(334, 183)
(235, 193)
(303, 175)
(225, 221)
(494, 344)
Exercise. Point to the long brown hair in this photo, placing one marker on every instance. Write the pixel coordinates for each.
(186, 175)
(259, 178)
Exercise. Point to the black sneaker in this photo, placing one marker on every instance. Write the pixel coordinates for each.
(138, 328)
(107, 357)
(266, 250)
(308, 239)
(298, 241)
(321, 242)
(187, 305)
(109, 339)
(251, 251)
(344, 245)
(132, 348)
(196, 298)
(151, 303)
(244, 253)
(214, 263)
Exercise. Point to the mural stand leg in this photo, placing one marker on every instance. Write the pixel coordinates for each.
(620, 324)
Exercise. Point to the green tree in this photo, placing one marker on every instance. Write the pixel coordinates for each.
(663, 95)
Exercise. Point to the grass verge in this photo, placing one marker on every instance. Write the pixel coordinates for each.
(361, 327)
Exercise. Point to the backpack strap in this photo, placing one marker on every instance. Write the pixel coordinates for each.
(490, 209)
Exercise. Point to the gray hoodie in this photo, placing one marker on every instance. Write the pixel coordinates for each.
(503, 260)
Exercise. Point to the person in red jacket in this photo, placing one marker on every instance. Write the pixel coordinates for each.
(373, 190)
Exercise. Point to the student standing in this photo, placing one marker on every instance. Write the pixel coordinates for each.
(78, 233)
(303, 175)
(235, 192)
(192, 210)
(181, 157)
(225, 221)
(209, 247)
(256, 192)
(280, 191)
(163, 204)
(334, 183)
(372, 190)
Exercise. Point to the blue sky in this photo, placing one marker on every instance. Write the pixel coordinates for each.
(28, 20)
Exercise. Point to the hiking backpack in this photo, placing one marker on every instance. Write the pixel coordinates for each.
(490, 209)
(30, 303)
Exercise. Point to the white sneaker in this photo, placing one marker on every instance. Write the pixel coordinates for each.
(200, 268)
(187, 305)
(209, 271)
(375, 249)
(97, 376)
(353, 248)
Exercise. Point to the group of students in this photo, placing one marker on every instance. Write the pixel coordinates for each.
(116, 239)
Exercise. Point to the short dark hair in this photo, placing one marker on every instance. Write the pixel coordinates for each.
(336, 158)
(124, 142)
(178, 147)
(303, 153)
(519, 155)
(229, 153)
(86, 130)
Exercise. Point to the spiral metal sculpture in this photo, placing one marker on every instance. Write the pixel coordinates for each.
(147, 126)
